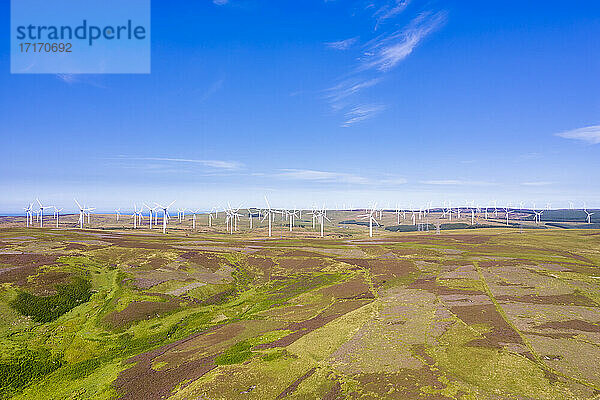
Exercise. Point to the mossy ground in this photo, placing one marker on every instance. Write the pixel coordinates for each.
(473, 314)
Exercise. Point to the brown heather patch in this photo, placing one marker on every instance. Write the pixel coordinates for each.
(572, 299)
(294, 385)
(501, 332)
(20, 266)
(45, 283)
(405, 384)
(300, 264)
(157, 262)
(137, 243)
(335, 393)
(141, 381)
(431, 285)
(300, 253)
(352, 289)
(572, 324)
(300, 329)
(262, 263)
(383, 270)
(77, 246)
(207, 260)
(139, 310)
(147, 283)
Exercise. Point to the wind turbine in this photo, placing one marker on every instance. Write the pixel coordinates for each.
(151, 211)
(29, 214)
(290, 216)
(537, 216)
(81, 214)
(136, 215)
(250, 215)
(210, 217)
(369, 215)
(57, 211)
(117, 213)
(321, 216)
(508, 211)
(88, 212)
(269, 214)
(589, 216)
(165, 214)
(42, 212)
(231, 219)
(194, 217)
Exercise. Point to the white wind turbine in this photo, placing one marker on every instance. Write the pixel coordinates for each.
(42, 212)
(136, 216)
(57, 215)
(210, 216)
(369, 214)
(397, 214)
(165, 214)
(537, 216)
(290, 215)
(321, 216)
(194, 212)
(88, 212)
(250, 217)
(29, 214)
(117, 213)
(151, 211)
(269, 214)
(81, 214)
(589, 216)
(229, 219)
(508, 211)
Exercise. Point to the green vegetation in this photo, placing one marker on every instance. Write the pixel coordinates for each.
(394, 316)
(19, 370)
(48, 308)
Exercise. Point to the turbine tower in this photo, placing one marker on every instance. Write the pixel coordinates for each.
(269, 214)
(57, 211)
(370, 215)
(165, 214)
(117, 213)
(537, 216)
(42, 212)
(29, 214)
(81, 214)
(589, 216)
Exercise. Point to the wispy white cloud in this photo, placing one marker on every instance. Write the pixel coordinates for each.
(212, 89)
(384, 53)
(321, 176)
(220, 2)
(537, 183)
(393, 181)
(456, 182)
(342, 44)
(361, 113)
(588, 134)
(348, 88)
(217, 164)
(390, 10)
(67, 78)
(379, 56)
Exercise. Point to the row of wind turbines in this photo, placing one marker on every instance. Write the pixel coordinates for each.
(318, 215)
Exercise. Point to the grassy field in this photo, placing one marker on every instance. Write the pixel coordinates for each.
(494, 313)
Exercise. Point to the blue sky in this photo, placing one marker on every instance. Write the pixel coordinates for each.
(342, 102)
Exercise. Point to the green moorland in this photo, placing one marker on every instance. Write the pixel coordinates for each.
(465, 314)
